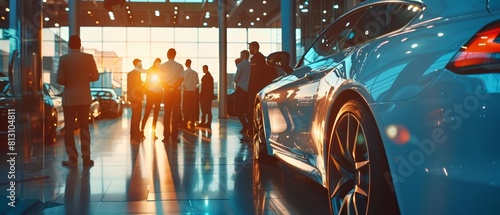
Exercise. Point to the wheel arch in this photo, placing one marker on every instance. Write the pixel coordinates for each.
(339, 100)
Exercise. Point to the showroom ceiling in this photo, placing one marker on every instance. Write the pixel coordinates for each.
(164, 13)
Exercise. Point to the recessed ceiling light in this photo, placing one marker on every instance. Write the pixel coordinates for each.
(258, 18)
(264, 14)
(205, 24)
(264, 2)
(46, 18)
(89, 12)
(324, 11)
(96, 22)
(187, 17)
(250, 10)
(111, 15)
(252, 23)
(66, 9)
(56, 24)
(239, 23)
(7, 9)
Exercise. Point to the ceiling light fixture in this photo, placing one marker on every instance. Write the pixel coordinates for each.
(111, 15)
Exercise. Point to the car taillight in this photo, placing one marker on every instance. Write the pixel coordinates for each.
(481, 54)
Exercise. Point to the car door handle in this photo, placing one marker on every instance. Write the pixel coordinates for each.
(310, 76)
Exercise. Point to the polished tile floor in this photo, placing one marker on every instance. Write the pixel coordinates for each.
(208, 172)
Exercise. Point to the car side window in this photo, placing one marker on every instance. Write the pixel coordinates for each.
(332, 40)
(382, 19)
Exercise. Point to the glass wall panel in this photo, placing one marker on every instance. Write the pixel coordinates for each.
(91, 34)
(138, 49)
(187, 50)
(141, 34)
(159, 49)
(186, 35)
(208, 35)
(209, 50)
(119, 48)
(162, 34)
(114, 34)
(261, 35)
(237, 35)
(91, 47)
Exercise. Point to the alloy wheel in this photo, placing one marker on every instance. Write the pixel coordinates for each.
(258, 131)
(349, 166)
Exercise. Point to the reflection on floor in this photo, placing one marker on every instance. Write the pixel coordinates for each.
(208, 172)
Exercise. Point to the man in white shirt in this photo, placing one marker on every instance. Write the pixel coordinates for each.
(171, 76)
(241, 94)
(190, 96)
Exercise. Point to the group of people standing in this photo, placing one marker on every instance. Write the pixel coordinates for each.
(172, 84)
(165, 82)
(252, 74)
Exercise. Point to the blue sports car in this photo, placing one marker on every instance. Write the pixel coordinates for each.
(393, 109)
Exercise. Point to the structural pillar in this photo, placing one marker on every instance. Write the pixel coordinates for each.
(74, 19)
(288, 26)
(222, 11)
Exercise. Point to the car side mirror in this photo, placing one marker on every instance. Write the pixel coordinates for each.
(280, 60)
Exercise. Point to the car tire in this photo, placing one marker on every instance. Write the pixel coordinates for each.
(357, 164)
(259, 138)
(51, 128)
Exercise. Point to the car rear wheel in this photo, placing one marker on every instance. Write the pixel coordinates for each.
(357, 165)
(259, 145)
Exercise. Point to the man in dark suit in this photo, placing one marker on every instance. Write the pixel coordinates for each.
(135, 91)
(75, 72)
(206, 98)
(260, 76)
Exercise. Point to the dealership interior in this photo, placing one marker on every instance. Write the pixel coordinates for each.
(211, 170)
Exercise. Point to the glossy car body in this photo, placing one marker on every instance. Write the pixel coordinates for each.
(111, 104)
(394, 109)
